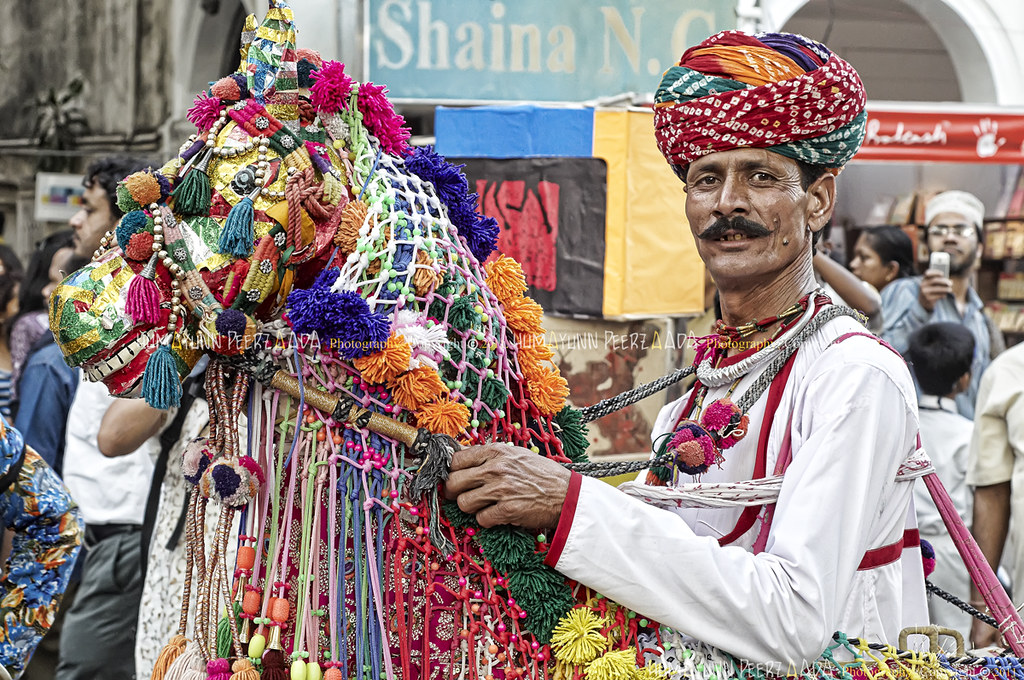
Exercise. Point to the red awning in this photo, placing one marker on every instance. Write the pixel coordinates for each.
(921, 133)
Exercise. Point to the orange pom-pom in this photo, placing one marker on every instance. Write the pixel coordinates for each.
(414, 388)
(279, 609)
(251, 602)
(242, 669)
(143, 187)
(246, 557)
(533, 353)
(523, 315)
(386, 364)
(333, 674)
(353, 215)
(425, 278)
(547, 390)
(444, 416)
(505, 279)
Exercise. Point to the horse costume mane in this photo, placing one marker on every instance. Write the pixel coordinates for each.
(346, 290)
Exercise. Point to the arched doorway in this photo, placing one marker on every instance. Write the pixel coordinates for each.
(913, 50)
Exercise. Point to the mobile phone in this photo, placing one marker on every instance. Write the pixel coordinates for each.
(939, 261)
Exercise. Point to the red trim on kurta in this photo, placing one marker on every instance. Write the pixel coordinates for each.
(572, 496)
(749, 514)
(887, 554)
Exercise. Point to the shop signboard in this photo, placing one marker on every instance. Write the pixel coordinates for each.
(532, 50)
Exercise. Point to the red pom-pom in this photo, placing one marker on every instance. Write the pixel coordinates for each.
(140, 246)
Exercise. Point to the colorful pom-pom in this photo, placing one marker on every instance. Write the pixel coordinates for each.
(505, 278)
(226, 88)
(380, 119)
(229, 483)
(254, 468)
(927, 557)
(547, 390)
(444, 416)
(693, 448)
(140, 246)
(330, 87)
(143, 187)
(416, 387)
(385, 363)
(195, 459)
(204, 112)
(131, 223)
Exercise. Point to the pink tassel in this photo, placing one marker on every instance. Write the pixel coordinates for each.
(143, 302)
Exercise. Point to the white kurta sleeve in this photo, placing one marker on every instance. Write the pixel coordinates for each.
(852, 428)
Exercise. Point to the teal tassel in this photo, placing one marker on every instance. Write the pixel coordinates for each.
(236, 238)
(161, 384)
(192, 195)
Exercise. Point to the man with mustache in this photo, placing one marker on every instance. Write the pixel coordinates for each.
(953, 222)
(756, 128)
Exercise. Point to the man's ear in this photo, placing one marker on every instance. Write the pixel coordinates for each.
(821, 201)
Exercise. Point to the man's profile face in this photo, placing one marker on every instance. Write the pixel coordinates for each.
(955, 234)
(741, 205)
(92, 221)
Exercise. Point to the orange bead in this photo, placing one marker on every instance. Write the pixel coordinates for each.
(321, 436)
(246, 557)
(492, 649)
(251, 602)
(310, 419)
(279, 609)
(337, 442)
(464, 633)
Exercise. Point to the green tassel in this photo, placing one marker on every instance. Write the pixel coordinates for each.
(456, 517)
(224, 638)
(236, 238)
(507, 547)
(573, 434)
(192, 195)
(461, 314)
(161, 384)
(543, 593)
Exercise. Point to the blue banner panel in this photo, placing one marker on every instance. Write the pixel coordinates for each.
(533, 50)
(514, 131)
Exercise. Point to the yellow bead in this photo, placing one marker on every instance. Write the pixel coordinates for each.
(313, 671)
(257, 643)
(298, 670)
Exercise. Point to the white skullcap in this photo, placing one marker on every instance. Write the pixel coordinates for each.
(959, 202)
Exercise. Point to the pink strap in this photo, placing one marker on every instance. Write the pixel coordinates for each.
(1010, 624)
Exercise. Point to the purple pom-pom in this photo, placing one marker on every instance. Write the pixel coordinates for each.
(483, 237)
(225, 480)
(231, 322)
(165, 185)
(341, 317)
(927, 557)
(195, 459)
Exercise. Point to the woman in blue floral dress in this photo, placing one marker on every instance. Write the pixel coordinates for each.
(47, 530)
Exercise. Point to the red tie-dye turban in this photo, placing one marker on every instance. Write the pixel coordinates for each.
(775, 91)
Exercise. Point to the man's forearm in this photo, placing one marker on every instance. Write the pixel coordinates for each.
(991, 522)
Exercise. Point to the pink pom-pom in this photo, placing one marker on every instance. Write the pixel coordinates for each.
(204, 112)
(331, 87)
(718, 414)
(380, 119)
(218, 669)
(693, 448)
(253, 467)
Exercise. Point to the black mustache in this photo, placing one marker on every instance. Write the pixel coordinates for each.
(740, 225)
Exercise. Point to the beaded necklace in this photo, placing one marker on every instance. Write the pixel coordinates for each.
(699, 441)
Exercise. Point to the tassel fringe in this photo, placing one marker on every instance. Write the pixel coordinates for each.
(237, 236)
(161, 384)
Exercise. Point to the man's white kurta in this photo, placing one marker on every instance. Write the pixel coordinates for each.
(852, 414)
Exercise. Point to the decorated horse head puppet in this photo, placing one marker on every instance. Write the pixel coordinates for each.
(345, 284)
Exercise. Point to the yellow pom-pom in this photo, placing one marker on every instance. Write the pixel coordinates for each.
(444, 416)
(651, 671)
(523, 315)
(577, 638)
(613, 666)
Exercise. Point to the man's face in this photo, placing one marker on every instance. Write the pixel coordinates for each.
(743, 204)
(92, 221)
(955, 234)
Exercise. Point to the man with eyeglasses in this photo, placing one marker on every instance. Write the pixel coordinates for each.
(954, 226)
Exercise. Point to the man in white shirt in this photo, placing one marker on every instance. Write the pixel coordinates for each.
(108, 467)
(837, 550)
